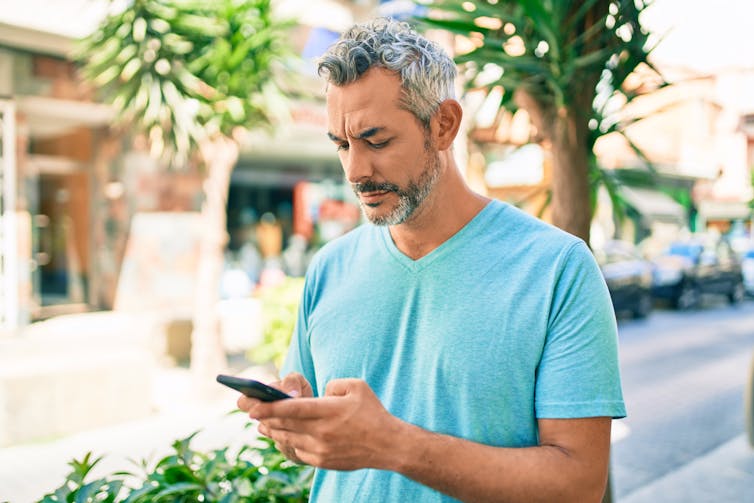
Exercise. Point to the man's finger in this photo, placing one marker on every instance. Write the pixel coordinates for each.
(246, 403)
(295, 385)
(263, 430)
(342, 387)
(299, 408)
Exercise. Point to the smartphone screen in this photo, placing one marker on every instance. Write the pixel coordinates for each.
(252, 388)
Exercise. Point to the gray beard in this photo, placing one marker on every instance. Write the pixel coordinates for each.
(412, 197)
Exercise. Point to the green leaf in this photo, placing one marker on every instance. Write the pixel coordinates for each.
(179, 474)
(130, 69)
(140, 494)
(231, 498)
(581, 12)
(139, 29)
(82, 468)
(180, 488)
(159, 25)
(243, 487)
(89, 491)
(544, 21)
(593, 60)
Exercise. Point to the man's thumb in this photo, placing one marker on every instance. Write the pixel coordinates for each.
(342, 387)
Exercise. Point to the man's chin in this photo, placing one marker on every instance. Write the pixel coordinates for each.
(383, 216)
(374, 214)
(375, 218)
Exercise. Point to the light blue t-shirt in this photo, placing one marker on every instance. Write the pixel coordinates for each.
(507, 321)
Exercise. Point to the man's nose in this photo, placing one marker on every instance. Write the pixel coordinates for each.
(357, 165)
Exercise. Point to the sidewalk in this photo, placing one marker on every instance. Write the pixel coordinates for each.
(725, 474)
(29, 471)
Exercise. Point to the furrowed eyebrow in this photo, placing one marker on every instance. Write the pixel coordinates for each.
(368, 133)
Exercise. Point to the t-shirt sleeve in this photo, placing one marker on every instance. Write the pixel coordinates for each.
(578, 374)
(299, 356)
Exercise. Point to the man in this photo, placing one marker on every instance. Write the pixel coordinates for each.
(454, 348)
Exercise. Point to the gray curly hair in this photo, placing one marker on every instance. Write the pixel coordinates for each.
(426, 71)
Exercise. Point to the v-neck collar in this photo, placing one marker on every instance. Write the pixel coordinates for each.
(446, 247)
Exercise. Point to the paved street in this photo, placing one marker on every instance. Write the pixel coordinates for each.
(683, 378)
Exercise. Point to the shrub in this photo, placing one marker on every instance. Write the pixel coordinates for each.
(279, 311)
(253, 474)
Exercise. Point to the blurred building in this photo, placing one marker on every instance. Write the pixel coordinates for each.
(698, 135)
(696, 131)
(52, 133)
(72, 184)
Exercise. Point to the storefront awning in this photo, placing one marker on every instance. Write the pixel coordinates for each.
(654, 204)
(724, 210)
(47, 117)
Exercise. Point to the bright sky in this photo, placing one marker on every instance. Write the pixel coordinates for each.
(74, 18)
(702, 34)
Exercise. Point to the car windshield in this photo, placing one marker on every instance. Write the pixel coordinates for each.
(685, 250)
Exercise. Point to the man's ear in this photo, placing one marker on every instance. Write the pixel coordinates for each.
(448, 120)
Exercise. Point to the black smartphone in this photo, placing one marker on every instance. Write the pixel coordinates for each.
(252, 388)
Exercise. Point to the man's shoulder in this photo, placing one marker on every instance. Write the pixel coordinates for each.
(517, 226)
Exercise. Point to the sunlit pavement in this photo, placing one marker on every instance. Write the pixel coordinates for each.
(684, 375)
(724, 475)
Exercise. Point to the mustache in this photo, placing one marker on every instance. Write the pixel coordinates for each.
(370, 186)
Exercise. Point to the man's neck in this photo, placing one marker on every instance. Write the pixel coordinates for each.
(438, 220)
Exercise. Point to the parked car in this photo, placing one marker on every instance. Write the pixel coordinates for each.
(628, 277)
(747, 269)
(694, 267)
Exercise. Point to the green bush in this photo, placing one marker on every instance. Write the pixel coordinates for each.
(252, 475)
(279, 311)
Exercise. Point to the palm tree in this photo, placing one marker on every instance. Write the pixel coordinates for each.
(191, 74)
(566, 63)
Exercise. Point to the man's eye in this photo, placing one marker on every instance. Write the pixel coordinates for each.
(379, 145)
(342, 146)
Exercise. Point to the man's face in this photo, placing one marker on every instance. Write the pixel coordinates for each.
(386, 153)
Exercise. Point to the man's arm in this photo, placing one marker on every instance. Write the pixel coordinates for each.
(349, 429)
(569, 464)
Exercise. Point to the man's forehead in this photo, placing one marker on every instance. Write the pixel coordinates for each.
(370, 117)
(375, 85)
(361, 108)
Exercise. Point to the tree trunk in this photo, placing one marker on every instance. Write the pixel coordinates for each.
(566, 134)
(207, 351)
(571, 206)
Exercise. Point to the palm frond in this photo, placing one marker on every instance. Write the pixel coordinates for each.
(180, 70)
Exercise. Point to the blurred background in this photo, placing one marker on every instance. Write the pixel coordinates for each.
(138, 257)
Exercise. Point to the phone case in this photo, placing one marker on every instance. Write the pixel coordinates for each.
(252, 388)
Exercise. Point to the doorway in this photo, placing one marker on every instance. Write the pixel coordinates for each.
(62, 237)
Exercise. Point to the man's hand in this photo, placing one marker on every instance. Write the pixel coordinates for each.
(295, 385)
(347, 429)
